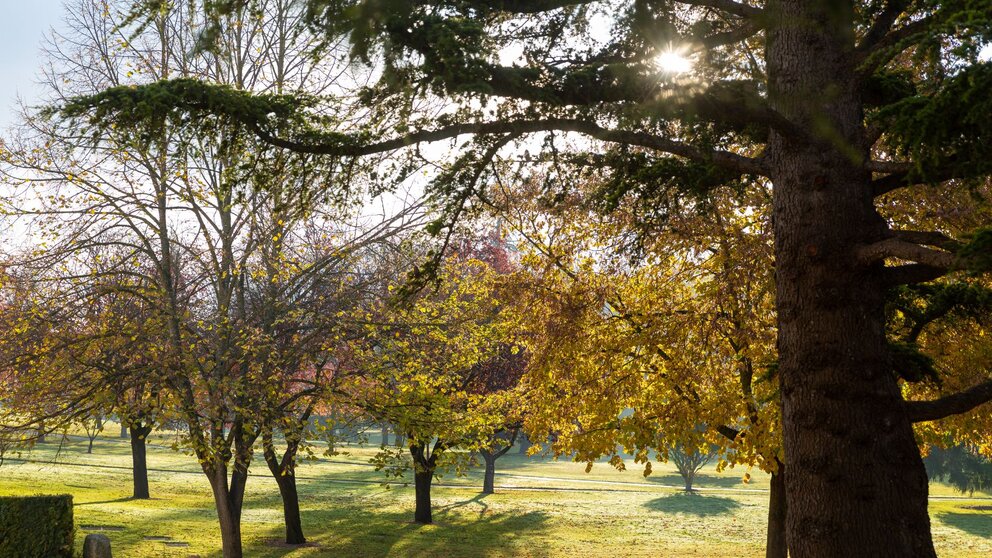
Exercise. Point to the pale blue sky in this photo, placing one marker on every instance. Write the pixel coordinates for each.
(23, 24)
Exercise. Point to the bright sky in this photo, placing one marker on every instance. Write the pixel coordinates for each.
(23, 24)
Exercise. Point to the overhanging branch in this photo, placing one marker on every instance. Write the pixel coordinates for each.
(723, 159)
(956, 404)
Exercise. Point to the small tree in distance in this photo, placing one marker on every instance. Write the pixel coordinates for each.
(689, 461)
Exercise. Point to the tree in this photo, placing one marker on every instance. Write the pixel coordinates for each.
(93, 426)
(501, 373)
(689, 461)
(835, 104)
(424, 362)
(961, 467)
(226, 240)
(688, 326)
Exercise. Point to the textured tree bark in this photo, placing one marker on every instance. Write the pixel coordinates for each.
(856, 485)
(139, 461)
(776, 545)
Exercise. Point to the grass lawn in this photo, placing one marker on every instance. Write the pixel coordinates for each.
(347, 512)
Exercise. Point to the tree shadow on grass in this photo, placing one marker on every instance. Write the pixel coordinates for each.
(702, 480)
(477, 500)
(693, 504)
(364, 531)
(978, 524)
(96, 503)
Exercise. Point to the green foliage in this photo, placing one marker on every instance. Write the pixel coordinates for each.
(978, 251)
(920, 305)
(36, 527)
(910, 364)
(960, 467)
(949, 128)
(187, 101)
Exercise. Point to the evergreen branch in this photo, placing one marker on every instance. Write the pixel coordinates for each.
(725, 159)
(736, 8)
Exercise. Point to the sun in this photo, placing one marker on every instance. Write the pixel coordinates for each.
(672, 62)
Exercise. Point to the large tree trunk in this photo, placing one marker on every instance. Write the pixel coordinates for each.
(856, 484)
(776, 545)
(284, 471)
(139, 461)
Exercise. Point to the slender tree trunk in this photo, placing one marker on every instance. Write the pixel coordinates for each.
(123, 432)
(423, 476)
(385, 435)
(506, 439)
(228, 499)
(856, 485)
(422, 484)
(89, 447)
(291, 509)
(488, 482)
(139, 462)
(284, 472)
(776, 546)
(228, 516)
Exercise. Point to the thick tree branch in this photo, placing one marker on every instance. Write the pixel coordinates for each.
(929, 238)
(904, 250)
(730, 37)
(724, 159)
(904, 175)
(882, 24)
(728, 432)
(961, 402)
(530, 6)
(911, 274)
(729, 6)
(876, 55)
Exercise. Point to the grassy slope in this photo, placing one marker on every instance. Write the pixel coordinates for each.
(603, 513)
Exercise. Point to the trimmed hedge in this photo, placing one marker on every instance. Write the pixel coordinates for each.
(36, 527)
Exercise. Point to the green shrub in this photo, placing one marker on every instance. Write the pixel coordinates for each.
(36, 527)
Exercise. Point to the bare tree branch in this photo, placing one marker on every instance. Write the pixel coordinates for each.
(961, 402)
(904, 250)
